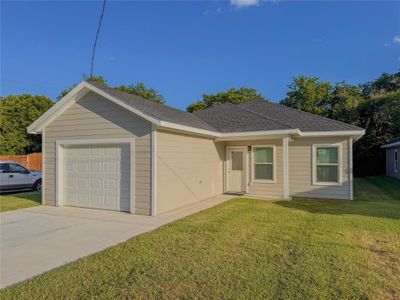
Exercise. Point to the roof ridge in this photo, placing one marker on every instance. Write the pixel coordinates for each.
(308, 113)
(261, 115)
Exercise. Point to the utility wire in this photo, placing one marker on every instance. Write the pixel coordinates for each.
(97, 36)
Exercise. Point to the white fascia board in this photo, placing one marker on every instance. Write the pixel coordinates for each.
(56, 109)
(391, 145)
(256, 135)
(357, 133)
(187, 129)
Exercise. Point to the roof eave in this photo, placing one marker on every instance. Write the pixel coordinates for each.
(256, 135)
(391, 145)
(355, 134)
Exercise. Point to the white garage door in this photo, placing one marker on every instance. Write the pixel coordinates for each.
(97, 176)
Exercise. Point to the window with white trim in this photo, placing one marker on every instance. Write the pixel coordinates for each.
(396, 161)
(327, 164)
(263, 163)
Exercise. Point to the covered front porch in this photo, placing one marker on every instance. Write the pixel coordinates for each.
(257, 167)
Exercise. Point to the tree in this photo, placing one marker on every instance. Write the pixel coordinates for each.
(374, 106)
(234, 96)
(384, 84)
(96, 79)
(309, 94)
(17, 113)
(343, 102)
(198, 105)
(141, 90)
(380, 117)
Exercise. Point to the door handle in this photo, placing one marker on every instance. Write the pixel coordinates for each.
(11, 176)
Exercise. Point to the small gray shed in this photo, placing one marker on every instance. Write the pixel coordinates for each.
(392, 158)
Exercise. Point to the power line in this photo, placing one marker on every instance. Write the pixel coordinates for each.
(97, 36)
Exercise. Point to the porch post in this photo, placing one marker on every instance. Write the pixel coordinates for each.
(350, 167)
(285, 144)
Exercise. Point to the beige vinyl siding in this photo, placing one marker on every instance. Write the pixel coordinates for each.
(94, 117)
(267, 189)
(189, 169)
(390, 162)
(300, 169)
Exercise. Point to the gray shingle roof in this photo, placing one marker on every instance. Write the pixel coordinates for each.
(295, 118)
(256, 115)
(228, 117)
(156, 110)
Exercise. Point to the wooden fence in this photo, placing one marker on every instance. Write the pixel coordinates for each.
(32, 161)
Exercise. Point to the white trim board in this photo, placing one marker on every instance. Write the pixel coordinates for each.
(285, 154)
(153, 203)
(60, 164)
(43, 200)
(84, 87)
(350, 148)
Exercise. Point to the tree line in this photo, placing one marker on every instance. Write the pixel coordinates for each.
(374, 106)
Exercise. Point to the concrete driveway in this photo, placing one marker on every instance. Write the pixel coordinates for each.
(38, 239)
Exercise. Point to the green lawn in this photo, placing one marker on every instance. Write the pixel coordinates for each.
(249, 249)
(19, 200)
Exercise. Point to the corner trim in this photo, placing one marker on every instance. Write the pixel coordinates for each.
(43, 167)
(153, 204)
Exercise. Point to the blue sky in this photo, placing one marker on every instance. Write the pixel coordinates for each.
(185, 49)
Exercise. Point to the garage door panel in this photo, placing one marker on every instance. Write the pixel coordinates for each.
(96, 166)
(97, 176)
(96, 183)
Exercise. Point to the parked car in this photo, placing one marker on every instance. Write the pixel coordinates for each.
(15, 177)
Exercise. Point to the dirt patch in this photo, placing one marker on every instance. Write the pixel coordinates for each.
(384, 256)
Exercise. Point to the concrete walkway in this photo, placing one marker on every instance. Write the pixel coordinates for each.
(38, 239)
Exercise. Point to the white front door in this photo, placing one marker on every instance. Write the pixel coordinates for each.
(236, 171)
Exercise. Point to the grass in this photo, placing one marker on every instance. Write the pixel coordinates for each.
(248, 249)
(19, 200)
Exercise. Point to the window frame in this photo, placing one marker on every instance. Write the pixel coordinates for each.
(396, 161)
(339, 164)
(253, 164)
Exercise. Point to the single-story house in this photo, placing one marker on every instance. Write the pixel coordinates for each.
(392, 158)
(107, 149)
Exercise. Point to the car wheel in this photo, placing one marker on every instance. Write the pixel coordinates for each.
(38, 185)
